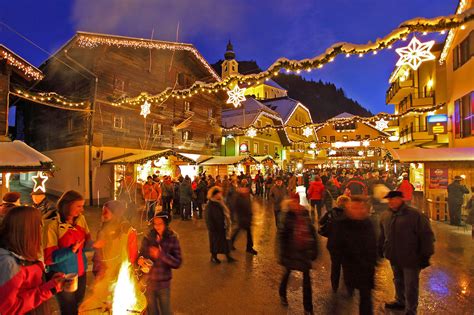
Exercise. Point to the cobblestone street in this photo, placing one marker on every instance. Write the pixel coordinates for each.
(250, 286)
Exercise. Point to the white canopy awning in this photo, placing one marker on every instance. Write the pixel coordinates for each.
(228, 160)
(17, 156)
(433, 155)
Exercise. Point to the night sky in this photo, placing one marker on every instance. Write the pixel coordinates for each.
(262, 30)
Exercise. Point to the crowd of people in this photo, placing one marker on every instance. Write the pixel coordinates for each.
(364, 215)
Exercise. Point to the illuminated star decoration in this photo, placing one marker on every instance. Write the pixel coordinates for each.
(312, 145)
(236, 96)
(39, 180)
(252, 132)
(307, 131)
(145, 109)
(415, 53)
(381, 124)
(366, 143)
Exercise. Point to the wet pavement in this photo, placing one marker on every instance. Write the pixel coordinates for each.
(250, 286)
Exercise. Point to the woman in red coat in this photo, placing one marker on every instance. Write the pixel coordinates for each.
(22, 288)
(315, 196)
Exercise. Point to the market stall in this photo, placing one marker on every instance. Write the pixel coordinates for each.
(19, 158)
(431, 170)
(133, 169)
(225, 165)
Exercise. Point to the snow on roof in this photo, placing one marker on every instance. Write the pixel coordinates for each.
(274, 84)
(149, 156)
(285, 106)
(228, 160)
(18, 156)
(253, 109)
(343, 115)
(433, 155)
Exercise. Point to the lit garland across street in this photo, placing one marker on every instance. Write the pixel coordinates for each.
(411, 26)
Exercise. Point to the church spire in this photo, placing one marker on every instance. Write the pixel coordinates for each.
(229, 54)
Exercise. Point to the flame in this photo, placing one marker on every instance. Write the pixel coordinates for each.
(125, 298)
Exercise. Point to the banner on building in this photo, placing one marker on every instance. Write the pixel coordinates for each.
(438, 178)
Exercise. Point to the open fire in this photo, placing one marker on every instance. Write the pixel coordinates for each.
(127, 297)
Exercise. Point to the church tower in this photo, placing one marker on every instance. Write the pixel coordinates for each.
(229, 66)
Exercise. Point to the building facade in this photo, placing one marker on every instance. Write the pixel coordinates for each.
(104, 69)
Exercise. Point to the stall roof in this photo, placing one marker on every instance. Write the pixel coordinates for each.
(261, 159)
(17, 156)
(148, 156)
(432, 155)
(228, 160)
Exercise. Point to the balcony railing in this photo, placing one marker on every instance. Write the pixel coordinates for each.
(417, 99)
(397, 85)
(414, 133)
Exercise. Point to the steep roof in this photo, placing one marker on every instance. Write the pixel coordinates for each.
(274, 84)
(343, 115)
(22, 158)
(253, 110)
(91, 40)
(19, 64)
(285, 106)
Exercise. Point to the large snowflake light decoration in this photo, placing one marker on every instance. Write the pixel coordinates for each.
(251, 132)
(236, 96)
(381, 124)
(307, 132)
(40, 181)
(145, 109)
(415, 53)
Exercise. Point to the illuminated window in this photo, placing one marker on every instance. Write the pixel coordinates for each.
(464, 51)
(187, 106)
(332, 138)
(255, 148)
(265, 149)
(464, 116)
(187, 135)
(118, 122)
(157, 129)
(324, 138)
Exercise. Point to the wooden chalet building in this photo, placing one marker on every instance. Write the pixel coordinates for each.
(103, 69)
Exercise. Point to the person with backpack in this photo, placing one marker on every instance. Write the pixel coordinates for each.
(298, 248)
(353, 241)
(330, 194)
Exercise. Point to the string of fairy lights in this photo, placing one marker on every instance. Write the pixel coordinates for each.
(51, 99)
(20, 64)
(420, 25)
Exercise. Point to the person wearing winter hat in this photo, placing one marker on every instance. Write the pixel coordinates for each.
(456, 192)
(161, 246)
(408, 253)
(9, 200)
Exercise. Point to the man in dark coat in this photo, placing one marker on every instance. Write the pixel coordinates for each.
(243, 208)
(218, 225)
(41, 202)
(353, 240)
(456, 192)
(277, 194)
(407, 241)
(185, 198)
(201, 193)
(298, 248)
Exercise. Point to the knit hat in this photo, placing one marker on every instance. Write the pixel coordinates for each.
(11, 197)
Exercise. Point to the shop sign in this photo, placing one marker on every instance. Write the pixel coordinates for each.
(244, 147)
(437, 124)
(438, 178)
